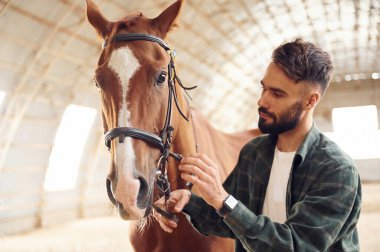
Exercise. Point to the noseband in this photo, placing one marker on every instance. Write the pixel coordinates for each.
(163, 141)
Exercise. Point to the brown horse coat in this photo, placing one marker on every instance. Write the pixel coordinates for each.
(127, 77)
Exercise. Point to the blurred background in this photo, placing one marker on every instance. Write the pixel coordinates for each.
(53, 162)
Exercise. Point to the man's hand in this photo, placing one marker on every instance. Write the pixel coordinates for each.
(203, 173)
(177, 201)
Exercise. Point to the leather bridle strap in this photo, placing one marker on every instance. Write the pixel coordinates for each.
(123, 132)
(138, 36)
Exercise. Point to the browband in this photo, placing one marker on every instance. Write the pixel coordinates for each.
(137, 36)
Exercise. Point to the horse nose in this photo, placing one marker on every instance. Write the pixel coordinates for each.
(143, 194)
(110, 192)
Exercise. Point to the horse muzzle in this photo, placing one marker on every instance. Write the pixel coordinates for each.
(143, 201)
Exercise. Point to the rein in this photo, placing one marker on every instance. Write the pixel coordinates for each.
(163, 141)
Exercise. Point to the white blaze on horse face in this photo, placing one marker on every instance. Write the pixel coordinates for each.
(125, 65)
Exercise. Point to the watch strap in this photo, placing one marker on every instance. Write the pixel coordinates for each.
(229, 204)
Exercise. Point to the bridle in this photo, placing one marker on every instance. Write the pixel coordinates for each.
(163, 141)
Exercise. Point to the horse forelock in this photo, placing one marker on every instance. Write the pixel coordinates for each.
(132, 23)
(130, 20)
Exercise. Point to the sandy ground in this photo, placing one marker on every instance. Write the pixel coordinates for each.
(111, 233)
(95, 235)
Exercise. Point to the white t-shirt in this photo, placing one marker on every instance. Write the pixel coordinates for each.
(275, 197)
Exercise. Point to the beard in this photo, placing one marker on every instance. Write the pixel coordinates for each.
(286, 121)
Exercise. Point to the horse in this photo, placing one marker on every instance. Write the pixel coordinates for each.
(149, 126)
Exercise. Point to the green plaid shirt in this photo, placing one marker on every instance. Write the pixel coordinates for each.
(322, 201)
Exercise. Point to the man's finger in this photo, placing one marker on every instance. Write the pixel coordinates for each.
(197, 162)
(205, 159)
(166, 225)
(193, 170)
(177, 204)
(165, 228)
(208, 160)
(190, 178)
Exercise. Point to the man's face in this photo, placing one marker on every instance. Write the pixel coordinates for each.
(286, 120)
(281, 103)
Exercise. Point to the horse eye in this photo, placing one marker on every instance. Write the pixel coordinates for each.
(96, 83)
(161, 78)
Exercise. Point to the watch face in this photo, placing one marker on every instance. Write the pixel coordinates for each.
(230, 202)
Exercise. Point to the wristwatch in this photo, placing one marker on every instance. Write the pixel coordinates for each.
(228, 205)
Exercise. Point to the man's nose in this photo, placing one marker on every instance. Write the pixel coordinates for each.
(262, 101)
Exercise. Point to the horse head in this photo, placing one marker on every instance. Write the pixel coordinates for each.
(133, 80)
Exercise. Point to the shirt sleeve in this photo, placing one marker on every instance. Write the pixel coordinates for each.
(204, 218)
(327, 212)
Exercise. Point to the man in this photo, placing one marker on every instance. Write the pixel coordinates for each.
(292, 189)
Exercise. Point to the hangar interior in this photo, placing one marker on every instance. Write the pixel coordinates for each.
(53, 172)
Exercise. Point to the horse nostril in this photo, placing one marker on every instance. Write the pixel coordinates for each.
(143, 197)
(109, 192)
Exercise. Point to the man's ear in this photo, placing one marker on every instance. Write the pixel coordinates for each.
(167, 19)
(312, 100)
(97, 20)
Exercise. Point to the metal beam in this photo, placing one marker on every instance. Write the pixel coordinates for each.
(17, 107)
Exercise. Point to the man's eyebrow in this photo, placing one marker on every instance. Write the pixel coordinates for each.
(278, 90)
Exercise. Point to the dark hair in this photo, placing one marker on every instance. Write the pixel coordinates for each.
(303, 61)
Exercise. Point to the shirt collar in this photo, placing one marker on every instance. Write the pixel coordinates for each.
(308, 143)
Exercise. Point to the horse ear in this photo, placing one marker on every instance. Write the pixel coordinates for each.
(167, 19)
(97, 20)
